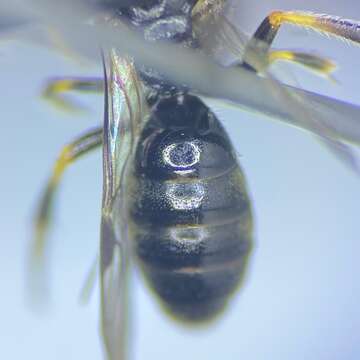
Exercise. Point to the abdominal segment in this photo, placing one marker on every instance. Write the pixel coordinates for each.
(193, 240)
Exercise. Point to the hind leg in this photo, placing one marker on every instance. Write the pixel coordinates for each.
(259, 46)
(91, 140)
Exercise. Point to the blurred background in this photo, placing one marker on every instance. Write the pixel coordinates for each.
(301, 297)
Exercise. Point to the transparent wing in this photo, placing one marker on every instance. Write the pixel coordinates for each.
(113, 272)
(123, 112)
(73, 22)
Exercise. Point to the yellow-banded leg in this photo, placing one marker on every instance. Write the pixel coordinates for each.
(56, 89)
(264, 36)
(333, 25)
(313, 62)
(71, 152)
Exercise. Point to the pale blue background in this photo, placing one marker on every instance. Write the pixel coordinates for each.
(301, 300)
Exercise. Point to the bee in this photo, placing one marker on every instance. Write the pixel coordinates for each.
(175, 198)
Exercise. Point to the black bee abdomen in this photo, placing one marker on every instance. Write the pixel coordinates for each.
(182, 140)
(190, 214)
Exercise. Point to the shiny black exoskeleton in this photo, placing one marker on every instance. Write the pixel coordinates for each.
(189, 211)
(159, 19)
(156, 20)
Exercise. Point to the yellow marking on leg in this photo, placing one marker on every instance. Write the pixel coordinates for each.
(63, 161)
(346, 29)
(55, 92)
(44, 213)
(37, 261)
(278, 18)
(55, 89)
(59, 86)
(281, 55)
(313, 62)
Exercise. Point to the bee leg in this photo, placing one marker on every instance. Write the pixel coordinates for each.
(348, 30)
(71, 152)
(55, 89)
(313, 62)
(261, 41)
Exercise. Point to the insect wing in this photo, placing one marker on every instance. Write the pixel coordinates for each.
(113, 272)
(122, 104)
